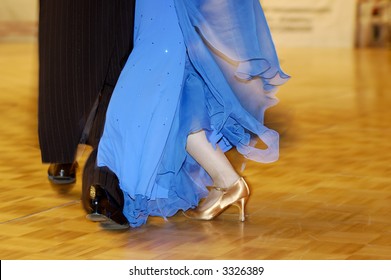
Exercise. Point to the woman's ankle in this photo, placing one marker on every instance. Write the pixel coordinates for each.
(227, 180)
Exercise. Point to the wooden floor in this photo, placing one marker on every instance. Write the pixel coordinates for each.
(328, 197)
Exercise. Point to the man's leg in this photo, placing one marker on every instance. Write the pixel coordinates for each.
(101, 196)
(76, 44)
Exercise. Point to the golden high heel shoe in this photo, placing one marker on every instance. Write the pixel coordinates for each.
(220, 199)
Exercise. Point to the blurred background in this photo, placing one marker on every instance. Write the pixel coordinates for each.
(300, 23)
(18, 20)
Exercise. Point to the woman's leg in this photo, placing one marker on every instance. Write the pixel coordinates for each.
(212, 160)
(229, 189)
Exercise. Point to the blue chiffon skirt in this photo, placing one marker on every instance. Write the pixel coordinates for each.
(196, 65)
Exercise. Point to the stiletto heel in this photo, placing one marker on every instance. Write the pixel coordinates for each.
(237, 194)
(240, 204)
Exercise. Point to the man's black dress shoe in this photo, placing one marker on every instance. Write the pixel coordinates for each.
(102, 198)
(105, 209)
(62, 173)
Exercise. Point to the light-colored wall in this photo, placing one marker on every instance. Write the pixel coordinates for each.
(18, 20)
(298, 23)
(312, 23)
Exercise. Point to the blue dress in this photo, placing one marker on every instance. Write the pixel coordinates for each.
(196, 65)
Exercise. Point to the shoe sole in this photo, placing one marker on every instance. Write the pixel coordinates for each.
(105, 222)
(95, 217)
(61, 181)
